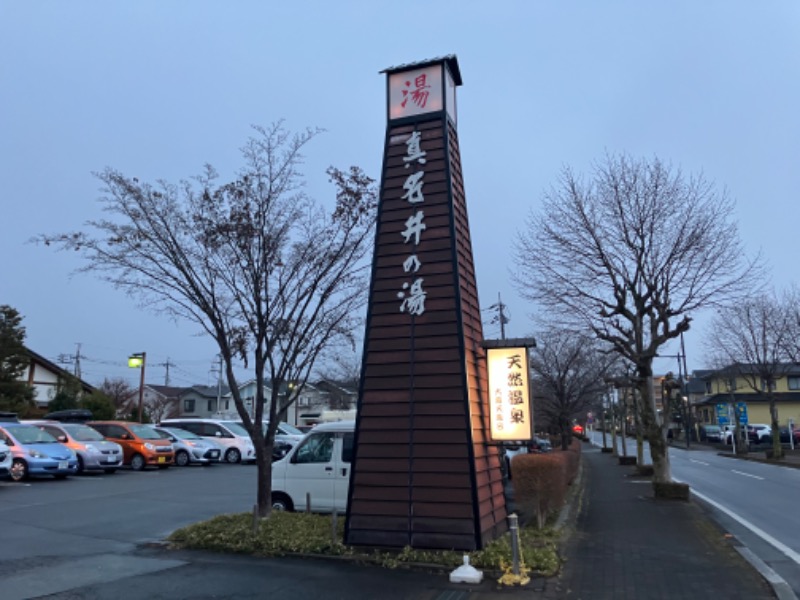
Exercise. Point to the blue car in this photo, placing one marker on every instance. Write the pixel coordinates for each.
(36, 452)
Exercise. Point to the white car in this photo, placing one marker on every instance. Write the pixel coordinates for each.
(316, 471)
(5, 459)
(759, 433)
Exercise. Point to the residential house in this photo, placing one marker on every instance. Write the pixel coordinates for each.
(205, 401)
(729, 386)
(162, 401)
(46, 377)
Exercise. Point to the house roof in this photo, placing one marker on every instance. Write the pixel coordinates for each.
(168, 391)
(748, 369)
(38, 358)
(748, 398)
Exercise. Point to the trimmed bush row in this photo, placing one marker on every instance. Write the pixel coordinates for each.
(541, 481)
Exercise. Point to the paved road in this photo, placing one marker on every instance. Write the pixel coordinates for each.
(90, 537)
(756, 502)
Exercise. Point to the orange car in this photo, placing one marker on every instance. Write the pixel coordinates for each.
(141, 444)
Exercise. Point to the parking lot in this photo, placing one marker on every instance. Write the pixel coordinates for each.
(48, 523)
(89, 537)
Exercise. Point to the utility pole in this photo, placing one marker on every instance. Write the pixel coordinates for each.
(166, 366)
(501, 316)
(77, 370)
(219, 386)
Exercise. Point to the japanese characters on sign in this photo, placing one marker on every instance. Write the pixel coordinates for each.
(412, 295)
(415, 92)
(509, 399)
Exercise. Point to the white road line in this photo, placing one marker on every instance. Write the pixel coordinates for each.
(747, 474)
(795, 556)
(699, 462)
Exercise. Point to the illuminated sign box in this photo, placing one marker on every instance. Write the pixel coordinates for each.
(510, 407)
(422, 88)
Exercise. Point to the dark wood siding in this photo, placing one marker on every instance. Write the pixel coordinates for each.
(423, 475)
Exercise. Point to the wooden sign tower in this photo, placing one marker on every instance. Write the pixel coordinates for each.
(424, 474)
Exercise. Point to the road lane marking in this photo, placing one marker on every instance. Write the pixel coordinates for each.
(795, 556)
(699, 462)
(747, 474)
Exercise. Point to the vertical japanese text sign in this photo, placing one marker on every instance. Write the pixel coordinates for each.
(427, 89)
(509, 390)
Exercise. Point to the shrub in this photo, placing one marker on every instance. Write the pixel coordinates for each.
(540, 483)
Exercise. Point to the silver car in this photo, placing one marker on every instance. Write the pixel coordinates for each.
(191, 448)
(95, 453)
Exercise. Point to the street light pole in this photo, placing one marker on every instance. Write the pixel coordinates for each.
(139, 361)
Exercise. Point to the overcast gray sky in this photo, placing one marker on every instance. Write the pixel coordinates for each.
(156, 89)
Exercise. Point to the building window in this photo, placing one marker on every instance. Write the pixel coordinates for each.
(188, 405)
(794, 383)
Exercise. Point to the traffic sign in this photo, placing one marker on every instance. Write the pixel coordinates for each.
(722, 414)
(741, 413)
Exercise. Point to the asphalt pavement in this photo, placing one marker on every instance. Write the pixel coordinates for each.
(621, 543)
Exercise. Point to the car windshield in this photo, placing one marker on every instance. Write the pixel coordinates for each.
(290, 429)
(28, 434)
(83, 433)
(182, 434)
(236, 429)
(145, 432)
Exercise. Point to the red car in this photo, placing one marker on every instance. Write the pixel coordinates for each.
(578, 429)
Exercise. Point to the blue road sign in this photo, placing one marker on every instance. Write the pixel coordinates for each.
(722, 414)
(741, 413)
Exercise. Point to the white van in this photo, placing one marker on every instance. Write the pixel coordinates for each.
(317, 468)
(233, 439)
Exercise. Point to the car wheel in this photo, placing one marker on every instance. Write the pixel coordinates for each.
(80, 464)
(137, 462)
(19, 470)
(110, 471)
(233, 456)
(182, 458)
(282, 502)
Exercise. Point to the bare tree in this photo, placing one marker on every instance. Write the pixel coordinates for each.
(161, 407)
(750, 340)
(630, 255)
(275, 279)
(121, 394)
(570, 371)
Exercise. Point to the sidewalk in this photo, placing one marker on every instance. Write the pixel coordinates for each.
(627, 544)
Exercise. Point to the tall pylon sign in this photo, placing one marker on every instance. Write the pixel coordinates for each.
(424, 473)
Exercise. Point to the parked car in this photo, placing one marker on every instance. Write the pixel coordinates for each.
(70, 415)
(284, 433)
(710, 433)
(758, 433)
(785, 436)
(36, 452)
(236, 444)
(318, 468)
(5, 459)
(141, 445)
(191, 448)
(727, 432)
(8, 417)
(94, 452)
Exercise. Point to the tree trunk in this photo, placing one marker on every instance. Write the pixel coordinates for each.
(777, 449)
(654, 429)
(264, 480)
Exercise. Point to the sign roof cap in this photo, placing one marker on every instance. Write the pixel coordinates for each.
(450, 60)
